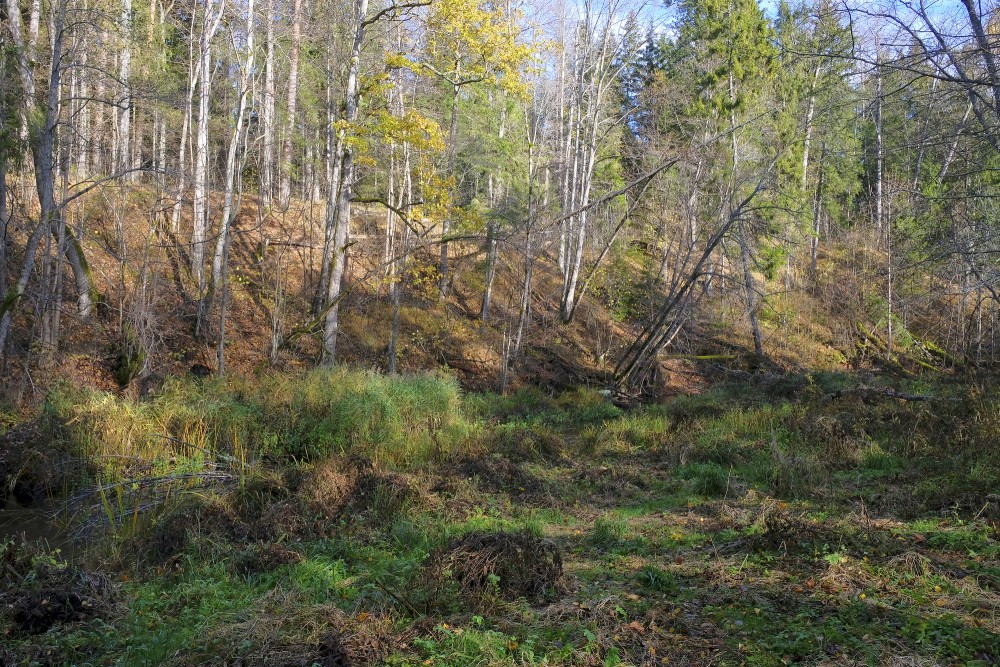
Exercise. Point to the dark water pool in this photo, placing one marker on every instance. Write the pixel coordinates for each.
(32, 521)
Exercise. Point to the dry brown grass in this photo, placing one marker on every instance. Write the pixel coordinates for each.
(504, 565)
(284, 629)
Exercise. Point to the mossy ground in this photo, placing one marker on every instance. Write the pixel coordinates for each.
(762, 523)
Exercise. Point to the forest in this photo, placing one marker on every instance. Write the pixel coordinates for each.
(346, 333)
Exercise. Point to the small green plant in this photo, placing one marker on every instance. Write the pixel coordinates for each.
(657, 580)
(835, 558)
(128, 356)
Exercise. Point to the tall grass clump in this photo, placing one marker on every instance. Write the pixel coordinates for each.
(395, 421)
(400, 421)
(736, 435)
(576, 408)
(523, 404)
(646, 429)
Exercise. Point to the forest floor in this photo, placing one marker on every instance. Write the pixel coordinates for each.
(344, 518)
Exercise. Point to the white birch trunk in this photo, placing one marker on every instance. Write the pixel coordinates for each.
(267, 115)
(213, 16)
(193, 69)
(123, 111)
(293, 94)
(230, 206)
(345, 155)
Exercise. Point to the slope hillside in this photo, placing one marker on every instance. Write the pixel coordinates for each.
(149, 309)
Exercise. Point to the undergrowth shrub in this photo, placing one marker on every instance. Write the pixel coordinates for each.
(40, 590)
(586, 406)
(521, 404)
(736, 436)
(878, 461)
(128, 356)
(658, 580)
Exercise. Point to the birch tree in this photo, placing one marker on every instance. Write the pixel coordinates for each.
(598, 60)
(233, 181)
(469, 42)
(285, 167)
(43, 119)
(212, 18)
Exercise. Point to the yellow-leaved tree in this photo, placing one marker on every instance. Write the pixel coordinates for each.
(469, 42)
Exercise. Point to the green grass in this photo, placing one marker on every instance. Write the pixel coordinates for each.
(718, 528)
(402, 422)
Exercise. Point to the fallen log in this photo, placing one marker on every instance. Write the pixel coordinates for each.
(873, 393)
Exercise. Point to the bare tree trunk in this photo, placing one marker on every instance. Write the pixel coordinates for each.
(564, 137)
(233, 183)
(43, 154)
(268, 116)
(878, 146)
(213, 17)
(4, 217)
(752, 297)
(230, 207)
(161, 151)
(389, 247)
(452, 150)
(492, 230)
(334, 168)
(175, 220)
(396, 287)
(491, 268)
(123, 109)
(954, 146)
(25, 53)
(83, 133)
(344, 190)
(597, 73)
(98, 163)
(524, 311)
(888, 291)
(293, 94)
(810, 113)
(922, 147)
(817, 212)
(578, 226)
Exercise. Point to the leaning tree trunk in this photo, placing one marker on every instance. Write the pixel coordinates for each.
(230, 207)
(42, 153)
